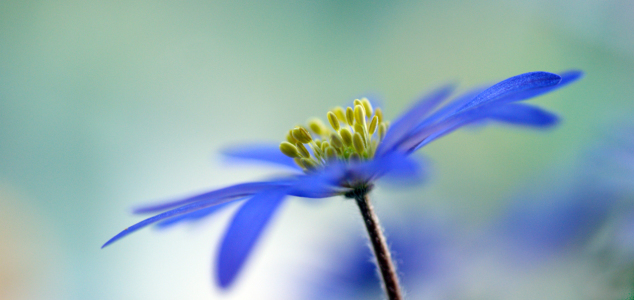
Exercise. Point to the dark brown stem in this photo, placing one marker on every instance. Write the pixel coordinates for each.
(379, 245)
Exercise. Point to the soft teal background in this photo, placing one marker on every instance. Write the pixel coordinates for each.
(108, 104)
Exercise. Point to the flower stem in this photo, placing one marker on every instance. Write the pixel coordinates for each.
(379, 245)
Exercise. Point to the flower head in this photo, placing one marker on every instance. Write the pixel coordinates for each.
(348, 158)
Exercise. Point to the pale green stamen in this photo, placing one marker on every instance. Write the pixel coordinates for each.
(353, 138)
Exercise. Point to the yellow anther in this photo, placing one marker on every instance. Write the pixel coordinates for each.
(360, 129)
(317, 126)
(309, 163)
(358, 143)
(340, 113)
(367, 105)
(301, 135)
(324, 145)
(346, 136)
(318, 142)
(359, 114)
(302, 150)
(382, 131)
(334, 122)
(299, 162)
(349, 116)
(316, 150)
(289, 149)
(357, 102)
(373, 125)
(330, 153)
(290, 138)
(379, 113)
(335, 140)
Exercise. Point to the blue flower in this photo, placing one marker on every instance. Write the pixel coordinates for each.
(347, 160)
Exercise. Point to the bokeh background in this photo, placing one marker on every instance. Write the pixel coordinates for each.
(105, 105)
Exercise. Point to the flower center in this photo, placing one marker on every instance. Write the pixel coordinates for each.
(356, 133)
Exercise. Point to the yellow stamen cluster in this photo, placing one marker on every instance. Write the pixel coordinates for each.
(356, 132)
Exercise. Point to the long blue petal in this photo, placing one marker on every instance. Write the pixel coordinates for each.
(516, 88)
(525, 115)
(429, 133)
(394, 163)
(268, 153)
(567, 77)
(522, 114)
(192, 216)
(412, 117)
(168, 214)
(234, 191)
(452, 108)
(321, 184)
(246, 227)
(412, 172)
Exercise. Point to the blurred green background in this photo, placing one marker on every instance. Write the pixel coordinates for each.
(109, 104)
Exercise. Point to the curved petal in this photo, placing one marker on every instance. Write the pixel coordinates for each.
(408, 174)
(567, 77)
(412, 117)
(234, 191)
(192, 216)
(522, 114)
(168, 214)
(321, 184)
(518, 114)
(451, 107)
(244, 231)
(394, 163)
(516, 88)
(268, 153)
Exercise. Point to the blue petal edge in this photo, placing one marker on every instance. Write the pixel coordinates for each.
(168, 214)
(406, 122)
(243, 233)
(234, 191)
(192, 216)
(522, 114)
(513, 89)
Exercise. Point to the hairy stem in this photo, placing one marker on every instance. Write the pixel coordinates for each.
(379, 245)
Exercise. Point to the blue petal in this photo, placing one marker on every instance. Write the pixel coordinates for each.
(567, 77)
(519, 114)
(168, 214)
(412, 172)
(320, 184)
(234, 191)
(246, 227)
(429, 133)
(412, 117)
(570, 76)
(192, 216)
(522, 114)
(269, 153)
(394, 163)
(516, 88)
(450, 108)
